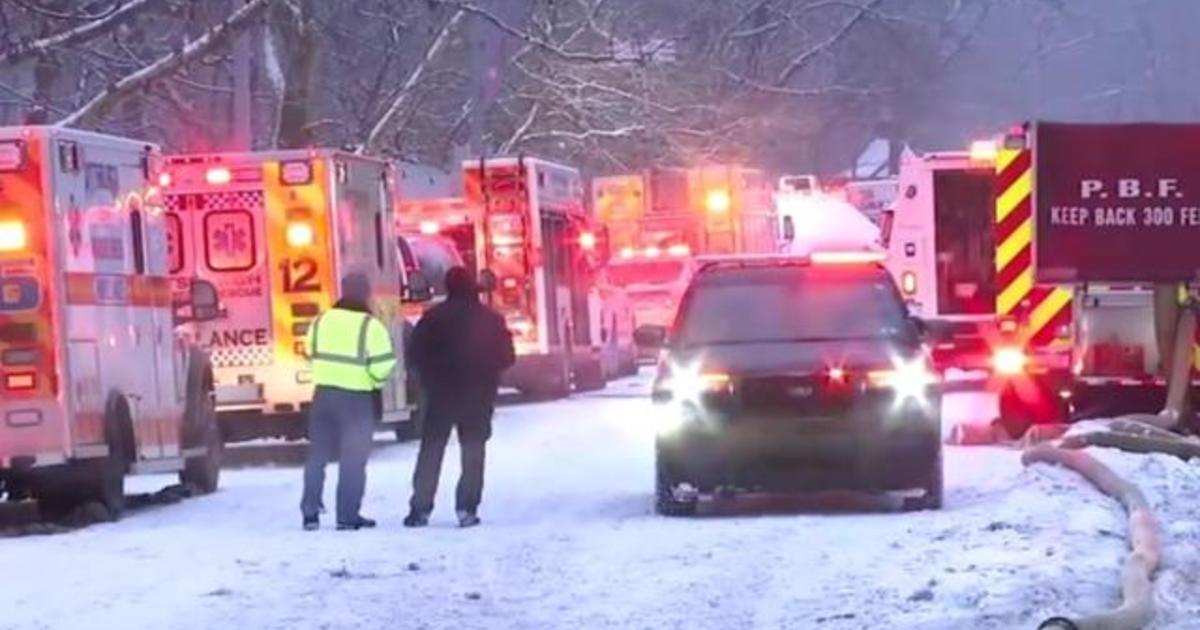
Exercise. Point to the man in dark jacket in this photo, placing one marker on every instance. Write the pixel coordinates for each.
(459, 349)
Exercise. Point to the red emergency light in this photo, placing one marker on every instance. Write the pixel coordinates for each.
(164, 180)
(587, 240)
(717, 201)
(679, 250)
(430, 228)
(20, 381)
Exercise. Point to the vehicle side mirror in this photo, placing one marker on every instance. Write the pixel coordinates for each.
(419, 288)
(919, 326)
(203, 304)
(789, 229)
(487, 281)
(650, 337)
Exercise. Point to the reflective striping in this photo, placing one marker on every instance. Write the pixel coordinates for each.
(1010, 297)
(1005, 158)
(338, 358)
(379, 358)
(1041, 310)
(362, 336)
(1010, 198)
(1020, 240)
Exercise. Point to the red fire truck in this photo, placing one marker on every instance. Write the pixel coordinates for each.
(657, 222)
(94, 380)
(539, 250)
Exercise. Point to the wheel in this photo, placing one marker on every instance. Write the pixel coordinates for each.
(934, 490)
(200, 429)
(589, 376)
(94, 480)
(665, 502)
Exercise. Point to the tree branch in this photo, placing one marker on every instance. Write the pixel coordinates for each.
(166, 64)
(803, 59)
(84, 32)
(435, 47)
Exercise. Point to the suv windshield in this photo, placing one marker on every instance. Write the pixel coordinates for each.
(790, 304)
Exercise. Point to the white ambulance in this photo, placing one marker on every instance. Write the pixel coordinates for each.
(94, 382)
(275, 232)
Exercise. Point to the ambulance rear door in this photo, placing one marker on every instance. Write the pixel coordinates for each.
(366, 242)
(217, 232)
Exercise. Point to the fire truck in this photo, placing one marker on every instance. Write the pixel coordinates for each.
(659, 221)
(539, 253)
(1027, 269)
(275, 232)
(94, 381)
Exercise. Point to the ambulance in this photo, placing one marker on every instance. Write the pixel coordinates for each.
(95, 382)
(275, 232)
(537, 251)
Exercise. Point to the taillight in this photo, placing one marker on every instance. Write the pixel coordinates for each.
(908, 379)
(430, 228)
(12, 236)
(587, 241)
(1009, 361)
(837, 375)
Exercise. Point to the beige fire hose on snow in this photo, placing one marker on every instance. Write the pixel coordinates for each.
(1137, 588)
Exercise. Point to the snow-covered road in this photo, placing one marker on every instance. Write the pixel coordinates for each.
(570, 541)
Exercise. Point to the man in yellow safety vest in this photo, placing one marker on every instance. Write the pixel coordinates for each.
(352, 357)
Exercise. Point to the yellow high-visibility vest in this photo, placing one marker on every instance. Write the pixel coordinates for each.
(350, 350)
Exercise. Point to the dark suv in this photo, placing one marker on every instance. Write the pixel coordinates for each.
(795, 374)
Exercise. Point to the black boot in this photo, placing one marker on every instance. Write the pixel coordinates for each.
(416, 519)
(361, 522)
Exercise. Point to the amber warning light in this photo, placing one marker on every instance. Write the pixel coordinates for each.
(12, 236)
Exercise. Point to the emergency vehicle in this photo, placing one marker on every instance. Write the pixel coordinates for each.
(94, 381)
(538, 250)
(659, 221)
(433, 235)
(961, 247)
(275, 232)
(942, 250)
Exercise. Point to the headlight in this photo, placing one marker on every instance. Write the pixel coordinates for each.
(689, 383)
(908, 380)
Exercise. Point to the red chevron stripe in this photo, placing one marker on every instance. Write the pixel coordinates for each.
(1049, 332)
(1005, 228)
(1014, 268)
(1009, 176)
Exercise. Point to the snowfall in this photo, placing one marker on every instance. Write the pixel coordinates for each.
(570, 540)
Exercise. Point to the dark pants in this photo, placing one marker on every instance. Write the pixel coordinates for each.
(340, 427)
(429, 469)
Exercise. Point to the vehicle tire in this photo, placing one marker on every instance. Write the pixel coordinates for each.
(664, 499)
(934, 489)
(201, 428)
(589, 376)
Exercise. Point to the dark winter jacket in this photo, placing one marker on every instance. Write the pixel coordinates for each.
(459, 349)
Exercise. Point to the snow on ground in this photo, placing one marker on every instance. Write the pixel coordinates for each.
(570, 541)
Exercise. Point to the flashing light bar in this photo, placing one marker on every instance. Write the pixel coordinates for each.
(218, 176)
(429, 228)
(653, 252)
(846, 258)
(295, 173)
(1009, 361)
(627, 253)
(12, 236)
(679, 250)
(983, 151)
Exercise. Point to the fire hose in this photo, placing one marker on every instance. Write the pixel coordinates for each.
(1137, 588)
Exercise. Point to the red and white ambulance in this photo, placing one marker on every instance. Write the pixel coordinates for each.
(275, 232)
(94, 382)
